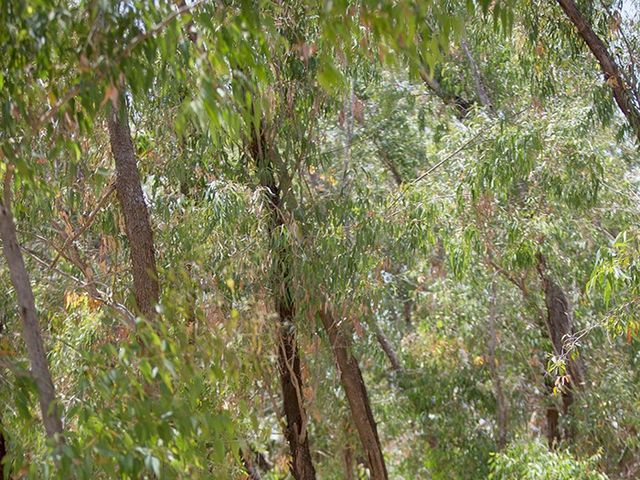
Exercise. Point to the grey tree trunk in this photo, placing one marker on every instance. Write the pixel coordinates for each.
(136, 215)
(50, 408)
(478, 79)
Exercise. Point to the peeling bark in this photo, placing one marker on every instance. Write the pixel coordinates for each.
(136, 215)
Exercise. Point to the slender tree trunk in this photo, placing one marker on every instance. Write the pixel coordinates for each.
(3, 442)
(349, 462)
(560, 324)
(621, 93)
(30, 327)
(289, 362)
(291, 383)
(553, 427)
(3, 453)
(478, 79)
(387, 348)
(356, 392)
(136, 216)
(501, 404)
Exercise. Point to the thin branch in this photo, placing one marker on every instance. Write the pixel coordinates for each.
(90, 218)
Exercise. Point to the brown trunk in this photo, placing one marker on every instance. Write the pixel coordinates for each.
(288, 355)
(291, 383)
(30, 327)
(621, 93)
(356, 392)
(559, 324)
(136, 215)
(553, 426)
(348, 462)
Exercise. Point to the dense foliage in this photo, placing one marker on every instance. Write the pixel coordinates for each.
(320, 239)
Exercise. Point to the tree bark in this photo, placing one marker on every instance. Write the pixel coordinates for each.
(349, 462)
(136, 215)
(30, 327)
(356, 392)
(387, 348)
(3, 453)
(501, 404)
(289, 362)
(3, 442)
(478, 80)
(559, 322)
(621, 93)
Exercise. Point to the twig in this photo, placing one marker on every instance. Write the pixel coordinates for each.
(69, 241)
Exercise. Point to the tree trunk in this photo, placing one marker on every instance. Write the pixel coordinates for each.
(30, 327)
(501, 404)
(621, 93)
(3, 453)
(559, 322)
(288, 355)
(291, 383)
(136, 215)
(553, 427)
(356, 392)
(387, 348)
(348, 462)
(478, 80)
